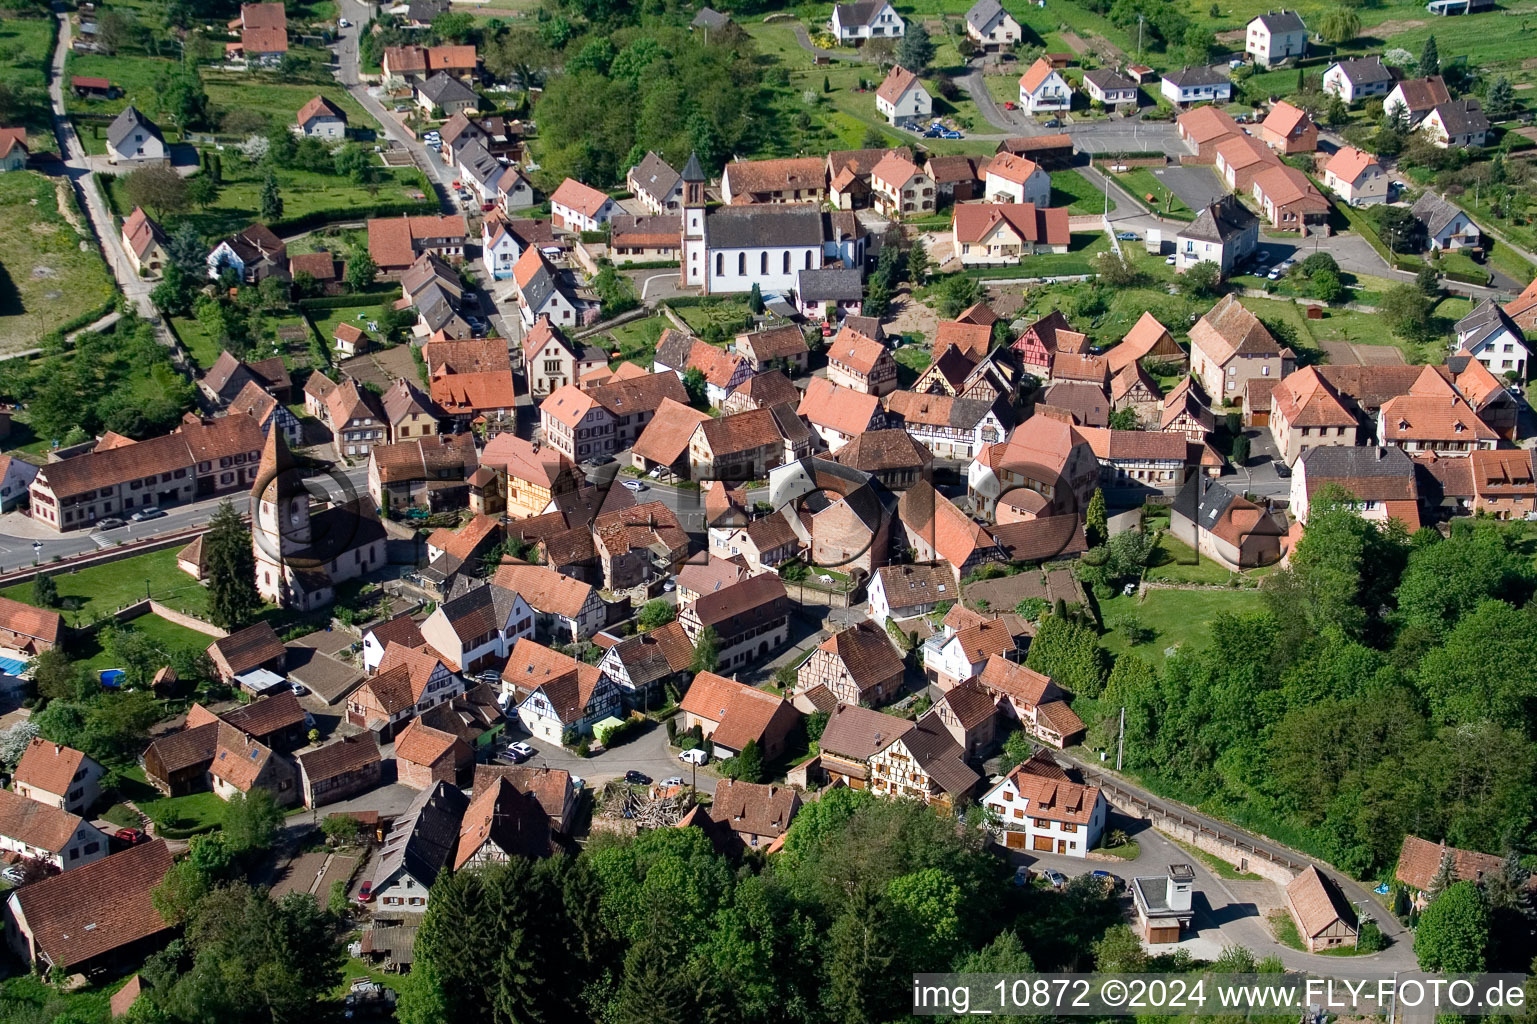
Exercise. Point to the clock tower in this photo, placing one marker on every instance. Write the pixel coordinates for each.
(695, 264)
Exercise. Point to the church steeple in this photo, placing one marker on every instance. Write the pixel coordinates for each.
(280, 505)
(693, 269)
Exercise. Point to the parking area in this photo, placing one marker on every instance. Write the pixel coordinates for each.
(1197, 186)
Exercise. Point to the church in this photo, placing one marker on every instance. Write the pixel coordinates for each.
(301, 554)
(731, 248)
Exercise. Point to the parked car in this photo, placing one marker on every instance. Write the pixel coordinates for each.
(129, 836)
(15, 874)
(1127, 236)
(299, 689)
(1172, 260)
(1055, 877)
(577, 782)
(669, 587)
(1009, 105)
(144, 515)
(634, 485)
(1274, 275)
(110, 523)
(1053, 123)
(696, 756)
(366, 892)
(636, 778)
(1282, 470)
(343, 23)
(950, 133)
(676, 780)
(1021, 876)
(522, 750)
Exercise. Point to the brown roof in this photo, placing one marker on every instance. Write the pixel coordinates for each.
(712, 575)
(838, 408)
(27, 620)
(266, 716)
(250, 647)
(768, 389)
(186, 747)
(1042, 538)
(1430, 418)
(1145, 335)
(463, 542)
(898, 81)
(866, 653)
(1207, 124)
(638, 394)
(36, 824)
(582, 198)
(746, 176)
(1284, 118)
(1035, 74)
(181, 449)
(1421, 94)
(650, 526)
(1419, 859)
(855, 351)
(238, 759)
(985, 640)
(1304, 399)
(97, 907)
(140, 232)
(755, 594)
(774, 343)
(502, 815)
(741, 712)
(857, 733)
(319, 107)
(742, 432)
(952, 534)
(349, 754)
(763, 810)
(970, 703)
(545, 590)
(908, 586)
(1009, 679)
(1054, 799)
(49, 766)
(390, 239)
(973, 222)
(940, 757)
(876, 450)
(548, 786)
(1317, 902)
(401, 630)
(532, 665)
(971, 339)
(421, 744)
(1229, 329)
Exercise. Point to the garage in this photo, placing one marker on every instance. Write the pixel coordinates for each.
(1014, 840)
(1042, 843)
(1157, 933)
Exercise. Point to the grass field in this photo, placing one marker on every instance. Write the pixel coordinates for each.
(1178, 618)
(325, 321)
(1142, 183)
(175, 817)
(725, 314)
(102, 589)
(1077, 193)
(1360, 328)
(26, 45)
(166, 635)
(1176, 562)
(29, 997)
(46, 278)
(636, 341)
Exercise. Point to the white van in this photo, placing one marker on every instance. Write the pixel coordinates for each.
(698, 755)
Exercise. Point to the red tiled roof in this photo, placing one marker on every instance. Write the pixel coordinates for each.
(97, 907)
(575, 195)
(837, 408)
(49, 766)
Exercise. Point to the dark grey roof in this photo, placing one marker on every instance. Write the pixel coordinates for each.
(1106, 79)
(435, 306)
(831, 284)
(1282, 21)
(710, 18)
(655, 175)
(941, 757)
(746, 227)
(1202, 500)
(982, 13)
(126, 123)
(426, 10)
(477, 162)
(1462, 117)
(1434, 212)
(861, 12)
(422, 841)
(1342, 462)
(540, 287)
(674, 350)
(1222, 221)
(691, 170)
(1365, 70)
(442, 89)
(1200, 75)
(1486, 319)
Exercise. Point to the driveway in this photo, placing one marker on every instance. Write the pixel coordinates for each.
(1197, 186)
(646, 751)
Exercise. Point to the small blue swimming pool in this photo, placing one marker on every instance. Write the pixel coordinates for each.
(12, 667)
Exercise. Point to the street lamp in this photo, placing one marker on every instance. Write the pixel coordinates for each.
(37, 552)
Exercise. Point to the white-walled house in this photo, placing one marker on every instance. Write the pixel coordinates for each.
(1356, 177)
(1042, 88)
(1276, 36)
(1047, 814)
(1446, 226)
(578, 207)
(1493, 338)
(1358, 79)
(991, 27)
(1224, 233)
(902, 97)
(865, 19)
(1196, 85)
(1015, 179)
(40, 832)
(1109, 87)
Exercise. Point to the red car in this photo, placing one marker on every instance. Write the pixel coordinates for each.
(129, 836)
(1008, 104)
(366, 893)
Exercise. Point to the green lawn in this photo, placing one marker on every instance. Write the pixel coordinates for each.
(26, 46)
(102, 589)
(635, 342)
(175, 817)
(1077, 193)
(1176, 562)
(28, 997)
(46, 277)
(325, 321)
(726, 314)
(1142, 182)
(167, 637)
(1355, 327)
(1178, 618)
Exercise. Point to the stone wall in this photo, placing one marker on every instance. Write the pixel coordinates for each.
(1241, 859)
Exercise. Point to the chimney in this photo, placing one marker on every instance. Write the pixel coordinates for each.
(1381, 453)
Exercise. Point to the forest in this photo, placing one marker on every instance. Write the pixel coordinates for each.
(1387, 687)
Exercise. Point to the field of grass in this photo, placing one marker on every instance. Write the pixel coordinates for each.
(166, 635)
(46, 278)
(725, 314)
(102, 589)
(1077, 193)
(636, 341)
(325, 321)
(912, 360)
(26, 46)
(29, 997)
(1178, 618)
(1358, 328)
(1176, 562)
(174, 816)
(1142, 183)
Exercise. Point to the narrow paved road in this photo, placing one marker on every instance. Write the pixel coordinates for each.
(804, 38)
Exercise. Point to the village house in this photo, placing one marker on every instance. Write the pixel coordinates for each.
(969, 715)
(1140, 458)
(1225, 233)
(1109, 88)
(961, 650)
(1442, 422)
(829, 293)
(663, 447)
(775, 348)
(133, 137)
(1288, 129)
(1242, 157)
(575, 699)
(58, 776)
(1229, 346)
(13, 149)
(543, 292)
(649, 239)
(1291, 200)
(861, 364)
(950, 427)
(401, 630)
(1043, 458)
(905, 591)
(585, 425)
(956, 178)
(1459, 124)
(1379, 480)
(764, 543)
(263, 33)
(1358, 78)
(858, 665)
(29, 629)
(1031, 699)
(997, 233)
(430, 472)
(857, 22)
(48, 923)
(42, 833)
(852, 736)
(1446, 226)
(723, 371)
(642, 665)
(1148, 342)
(535, 473)
(991, 27)
(1225, 527)
(413, 63)
(1323, 916)
(733, 714)
(144, 243)
(1204, 129)
(902, 98)
(923, 763)
(1420, 860)
(638, 545)
(893, 458)
(1356, 177)
(750, 618)
(577, 207)
(551, 360)
(251, 256)
(565, 609)
(790, 180)
(1503, 484)
(1276, 37)
(1198, 84)
(419, 847)
(478, 628)
(241, 763)
(743, 446)
(1016, 179)
(1413, 98)
(503, 239)
(320, 118)
(758, 814)
(838, 414)
(1306, 412)
(340, 769)
(16, 476)
(1042, 89)
(656, 184)
(501, 823)
(1052, 815)
(394, 243)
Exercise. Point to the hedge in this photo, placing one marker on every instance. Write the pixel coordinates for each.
(648, 265)
(316, 218)
(372, 293)
(1482, 280)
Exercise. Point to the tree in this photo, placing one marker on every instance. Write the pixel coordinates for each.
(341, 829)
(694, 383)
(748, 765)
(56, 677)
(1241, 450)
(454, 27)
(15, 740)
(1340, 25)
(918, 263)
(132, 652)
(916, 49)
(271, 199)
(1430, 58)
(1124, 419)
(656, 613)
(1119, 951)
(955, 294)
(230, 562)
(251, 821)
(1502, 96)
(360, 270)
(707, 651)
(1453, 934)
(202, 190)
(158, 189)
(1400, 229)
(45, 592)
(1096, 529)
(755, 300)
(1202, 281)
(1070, 653)
(1407, 311)
(1117, 269)
(1326, 286)
(1428, 282)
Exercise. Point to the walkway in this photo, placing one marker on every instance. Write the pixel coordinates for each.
(804, 38)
